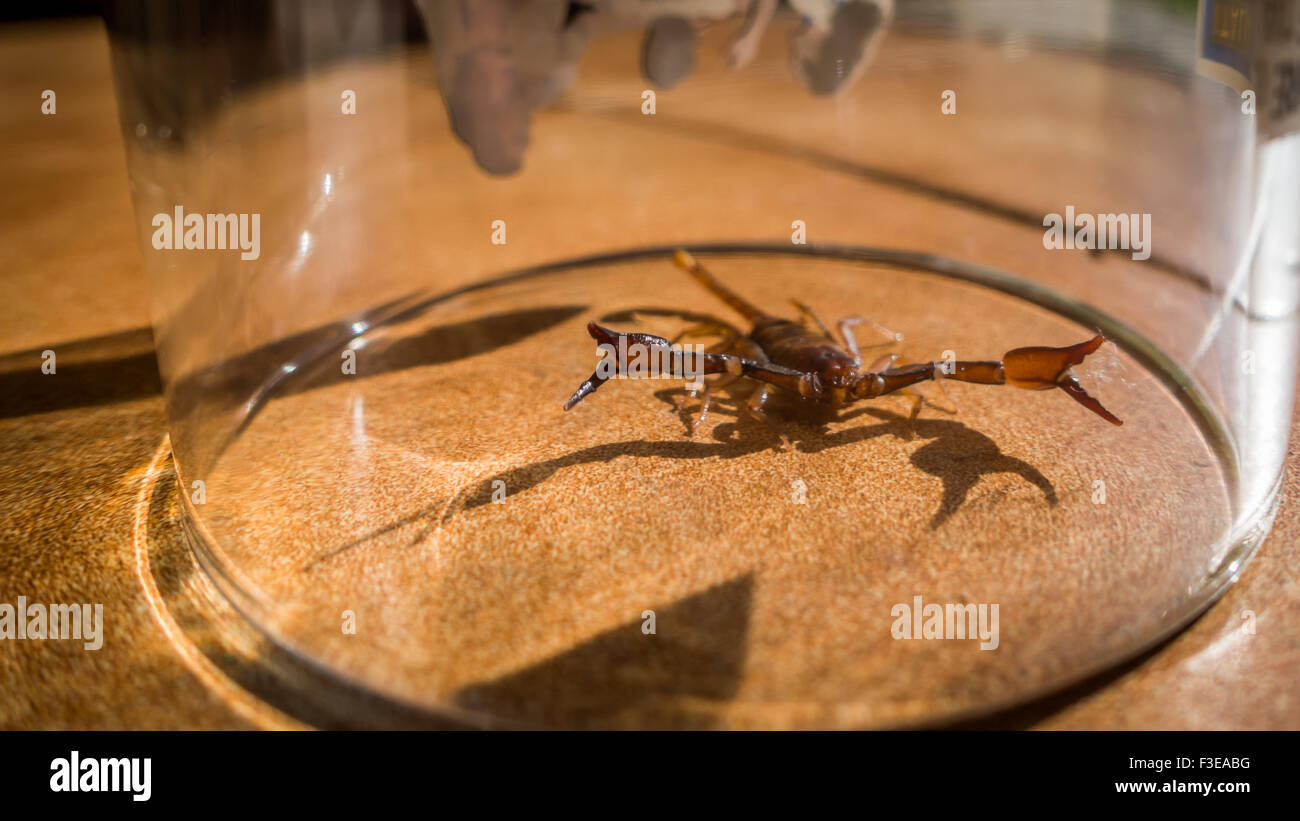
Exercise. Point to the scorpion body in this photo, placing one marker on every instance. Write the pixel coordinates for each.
(804, 358)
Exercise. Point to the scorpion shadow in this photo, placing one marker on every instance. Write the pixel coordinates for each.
(955, 454)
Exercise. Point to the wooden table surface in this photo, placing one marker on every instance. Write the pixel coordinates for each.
(74, 463)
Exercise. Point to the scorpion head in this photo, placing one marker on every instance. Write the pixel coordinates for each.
(836, 379)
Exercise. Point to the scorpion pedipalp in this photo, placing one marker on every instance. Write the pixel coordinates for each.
(1041, 368)
(609, 342)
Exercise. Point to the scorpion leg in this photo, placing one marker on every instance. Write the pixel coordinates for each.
(706, 329)
(704, 411)
(888, 361)
(883, 363)
(851, 340)
(732, 340)
(746, 348)
(810, 316)
(943, 389)
(755, 406)
(722, 347)
(757, 401)
(848, 323)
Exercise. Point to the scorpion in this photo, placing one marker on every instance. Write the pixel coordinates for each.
(803, 358)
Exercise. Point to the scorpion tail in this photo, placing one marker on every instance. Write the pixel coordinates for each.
(735, 301)
(1043, 368)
